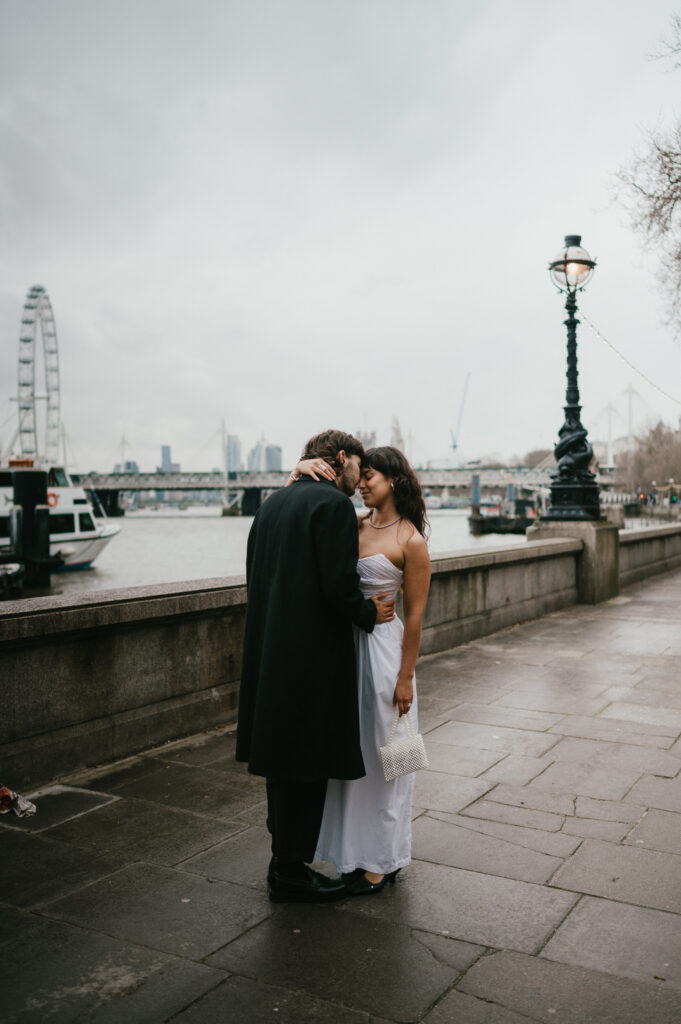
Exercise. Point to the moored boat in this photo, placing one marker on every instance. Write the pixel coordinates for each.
(77, 534)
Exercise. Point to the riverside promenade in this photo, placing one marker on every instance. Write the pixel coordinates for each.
(545, 885)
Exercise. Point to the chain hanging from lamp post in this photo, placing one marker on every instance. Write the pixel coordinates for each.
(574, 491)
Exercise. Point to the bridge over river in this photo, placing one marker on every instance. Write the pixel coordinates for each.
(246, 490)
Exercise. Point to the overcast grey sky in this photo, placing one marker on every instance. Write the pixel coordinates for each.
(310, 213)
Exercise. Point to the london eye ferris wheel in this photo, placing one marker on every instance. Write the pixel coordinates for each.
(37, 311)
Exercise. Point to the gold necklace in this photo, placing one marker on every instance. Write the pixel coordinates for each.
(399, 520)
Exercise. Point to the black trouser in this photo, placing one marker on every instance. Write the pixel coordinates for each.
(294, 817)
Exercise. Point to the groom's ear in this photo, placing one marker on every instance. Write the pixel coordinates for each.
(341, 458)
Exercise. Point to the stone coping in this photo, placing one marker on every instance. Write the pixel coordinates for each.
(649, 533)
(74, 613)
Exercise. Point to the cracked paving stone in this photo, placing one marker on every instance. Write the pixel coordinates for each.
(633, 942)
(664, 794)
(554, 992)
(509, 814)
(137, 830)
(608, 810)
(616, 730)
(167, 910)
(602, 754)
(459, 1008)
(658, 830)
(243, 859)
(517, 770)
(534, 797)
(199, 790)
(444, 757)
(443, 792)
(514, 718)
(495, 737)
(250, 1002)
(76, 975)
(36, 869)
(586, 780)
(443, 843)
(630, 874)
(317, 953)
(555, 844)
(470, 906)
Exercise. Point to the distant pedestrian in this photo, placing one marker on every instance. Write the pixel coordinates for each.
(298, 710)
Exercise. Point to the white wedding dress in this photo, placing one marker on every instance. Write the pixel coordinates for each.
(367, 822)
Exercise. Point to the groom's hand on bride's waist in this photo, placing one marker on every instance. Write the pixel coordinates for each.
(385, 608)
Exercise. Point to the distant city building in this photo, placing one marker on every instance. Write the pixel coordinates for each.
(256, 457)
(396, 436)
(367, 437)
(167, 464)
(273, 457)
(126, 467)
(233, 454)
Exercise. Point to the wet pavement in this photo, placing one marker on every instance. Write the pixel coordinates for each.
(545, 885)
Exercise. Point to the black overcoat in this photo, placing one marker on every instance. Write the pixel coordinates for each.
(298, 710)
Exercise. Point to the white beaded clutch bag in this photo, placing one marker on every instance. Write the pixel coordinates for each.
(404, 755)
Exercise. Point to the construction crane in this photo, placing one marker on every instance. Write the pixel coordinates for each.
(456, 434)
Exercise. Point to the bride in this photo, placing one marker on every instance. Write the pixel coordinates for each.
(366, 828)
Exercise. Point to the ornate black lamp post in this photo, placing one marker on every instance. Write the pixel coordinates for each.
(574, 491)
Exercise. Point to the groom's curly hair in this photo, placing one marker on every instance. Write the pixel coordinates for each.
(329, 443)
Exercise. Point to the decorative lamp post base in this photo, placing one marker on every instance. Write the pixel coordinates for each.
(574, 500)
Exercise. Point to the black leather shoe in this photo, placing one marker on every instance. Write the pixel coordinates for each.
(315, 888)
(361, 886)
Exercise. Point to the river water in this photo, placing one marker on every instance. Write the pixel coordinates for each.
(169, 547)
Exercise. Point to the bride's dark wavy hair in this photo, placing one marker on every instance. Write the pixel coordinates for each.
(406, 487)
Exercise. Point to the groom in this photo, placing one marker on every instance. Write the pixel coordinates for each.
(298, 712)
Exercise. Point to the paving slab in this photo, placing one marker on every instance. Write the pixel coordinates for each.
(137, 830)
(558, 701)
(458, 1008)
(444, 757)
(592, 828)
(69, 975)
(535, 797)
(442, 842)
(510, 814)
(641, 713)
(491, 737)
(495, 714)
(658, 830)
(551, 992)
(243, 859)
(443, 792)
(36, 869)
(584, 779)
(638, 734)
(517, 769)
(470, 906)
(632, 942)
(602, 754)
(644, 877)
(308, 938)
(553, 843)
(608, 810)
(56, 804)
(199, 790)
(665, 794)
(253, 1002)
(171, 911)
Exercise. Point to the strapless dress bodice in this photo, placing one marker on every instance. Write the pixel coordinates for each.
(378, 575)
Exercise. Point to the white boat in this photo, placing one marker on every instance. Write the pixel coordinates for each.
(76, 534)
